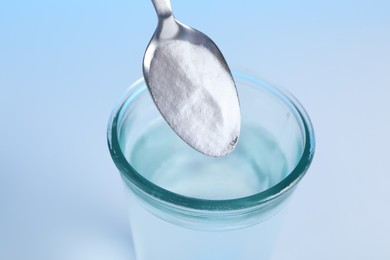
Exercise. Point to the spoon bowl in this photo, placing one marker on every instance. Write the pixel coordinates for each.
(191, 85)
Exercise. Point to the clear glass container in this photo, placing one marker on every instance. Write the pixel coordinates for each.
(185, 205)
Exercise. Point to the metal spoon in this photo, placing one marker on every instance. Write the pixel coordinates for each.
(191, 85)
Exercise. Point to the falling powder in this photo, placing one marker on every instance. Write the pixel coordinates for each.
(196, 95)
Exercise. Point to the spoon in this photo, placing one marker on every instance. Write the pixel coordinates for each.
(191, 85)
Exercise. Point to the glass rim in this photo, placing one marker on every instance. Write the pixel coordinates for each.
(161, 195)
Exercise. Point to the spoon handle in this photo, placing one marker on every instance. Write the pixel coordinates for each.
(163, 8)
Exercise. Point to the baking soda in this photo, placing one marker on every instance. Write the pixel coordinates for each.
(196, 95)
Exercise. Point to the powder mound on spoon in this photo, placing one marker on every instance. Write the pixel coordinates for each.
(196, 95)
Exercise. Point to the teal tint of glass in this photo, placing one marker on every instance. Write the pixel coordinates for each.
(275, 110)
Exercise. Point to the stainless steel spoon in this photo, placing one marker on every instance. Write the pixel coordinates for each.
(191, 85)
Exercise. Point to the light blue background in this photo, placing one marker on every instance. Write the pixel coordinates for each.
(64, 64)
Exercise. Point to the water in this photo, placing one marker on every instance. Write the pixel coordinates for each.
(256, 164)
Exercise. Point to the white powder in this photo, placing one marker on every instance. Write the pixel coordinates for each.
(196, 96)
